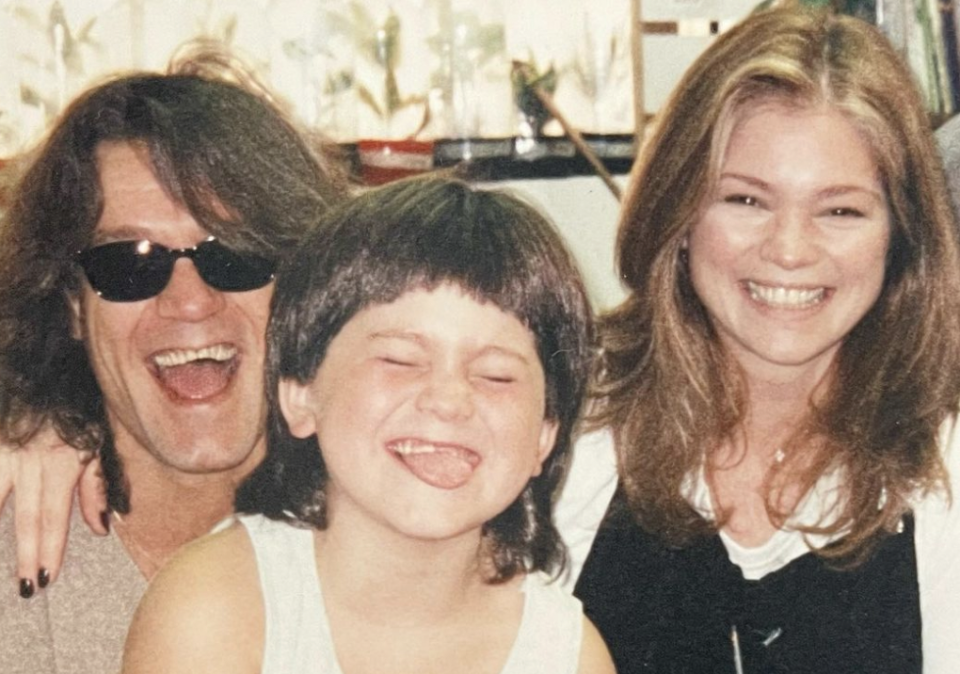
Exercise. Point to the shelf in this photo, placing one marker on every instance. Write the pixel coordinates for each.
(491, 159)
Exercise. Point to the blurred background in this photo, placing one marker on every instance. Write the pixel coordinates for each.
(409, 85)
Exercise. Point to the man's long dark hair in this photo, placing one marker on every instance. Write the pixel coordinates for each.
(225, 153)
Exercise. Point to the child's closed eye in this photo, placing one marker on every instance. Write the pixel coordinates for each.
(496, 378)
(399, 362)
(400, 356)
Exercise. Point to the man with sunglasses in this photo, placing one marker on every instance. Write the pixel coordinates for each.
(136, 261)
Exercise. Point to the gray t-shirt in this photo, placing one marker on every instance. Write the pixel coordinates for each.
(78, 625)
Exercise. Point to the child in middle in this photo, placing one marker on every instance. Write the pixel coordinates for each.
(428, 353)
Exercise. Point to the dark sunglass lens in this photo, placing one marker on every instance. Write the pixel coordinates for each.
(127, 271)
(230, 271)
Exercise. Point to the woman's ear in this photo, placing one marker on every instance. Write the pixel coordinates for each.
(295, 404)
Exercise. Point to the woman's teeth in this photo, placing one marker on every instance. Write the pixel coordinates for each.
(787, 298)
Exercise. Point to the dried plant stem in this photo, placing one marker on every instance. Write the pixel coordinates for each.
(573, 134)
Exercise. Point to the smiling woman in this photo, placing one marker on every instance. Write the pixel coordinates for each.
(783, 379)
(790, 249)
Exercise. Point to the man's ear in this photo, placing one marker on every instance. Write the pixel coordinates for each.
(295, 399)
(75, 307)
(547, 441)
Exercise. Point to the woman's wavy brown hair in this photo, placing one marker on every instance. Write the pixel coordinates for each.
(668, 388)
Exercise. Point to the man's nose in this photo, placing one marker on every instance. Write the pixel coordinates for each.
(187, 296)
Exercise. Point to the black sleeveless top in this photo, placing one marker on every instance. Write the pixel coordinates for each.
(672, 611)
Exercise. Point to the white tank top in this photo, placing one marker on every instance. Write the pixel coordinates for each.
(298, 641)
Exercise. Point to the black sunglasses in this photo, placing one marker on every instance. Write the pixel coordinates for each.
(129, 271)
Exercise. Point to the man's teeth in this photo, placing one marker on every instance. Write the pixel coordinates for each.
(778, 296)
(219, 352)
(411, 447)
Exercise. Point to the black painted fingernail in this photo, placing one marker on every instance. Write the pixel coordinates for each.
(43, 579)
(105, 520)
(26, 588)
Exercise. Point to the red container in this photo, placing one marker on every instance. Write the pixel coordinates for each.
(384, 160)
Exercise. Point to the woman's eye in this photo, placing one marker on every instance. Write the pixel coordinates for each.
(741, 199)
(845, 212)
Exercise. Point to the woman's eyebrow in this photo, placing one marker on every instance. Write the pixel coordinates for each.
(750, 180)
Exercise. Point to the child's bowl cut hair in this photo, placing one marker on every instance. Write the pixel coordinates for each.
(419, 234)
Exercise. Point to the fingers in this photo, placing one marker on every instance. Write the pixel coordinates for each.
(61, 468)
(42, 477)
(27, 480)
(93, 498)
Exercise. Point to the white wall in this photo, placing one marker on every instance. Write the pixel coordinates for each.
(573, 35)
(586, 213)
(55, 48)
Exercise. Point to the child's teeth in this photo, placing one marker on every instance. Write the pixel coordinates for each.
(410, 447)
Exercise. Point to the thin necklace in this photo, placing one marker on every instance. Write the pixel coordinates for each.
(126, 536)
